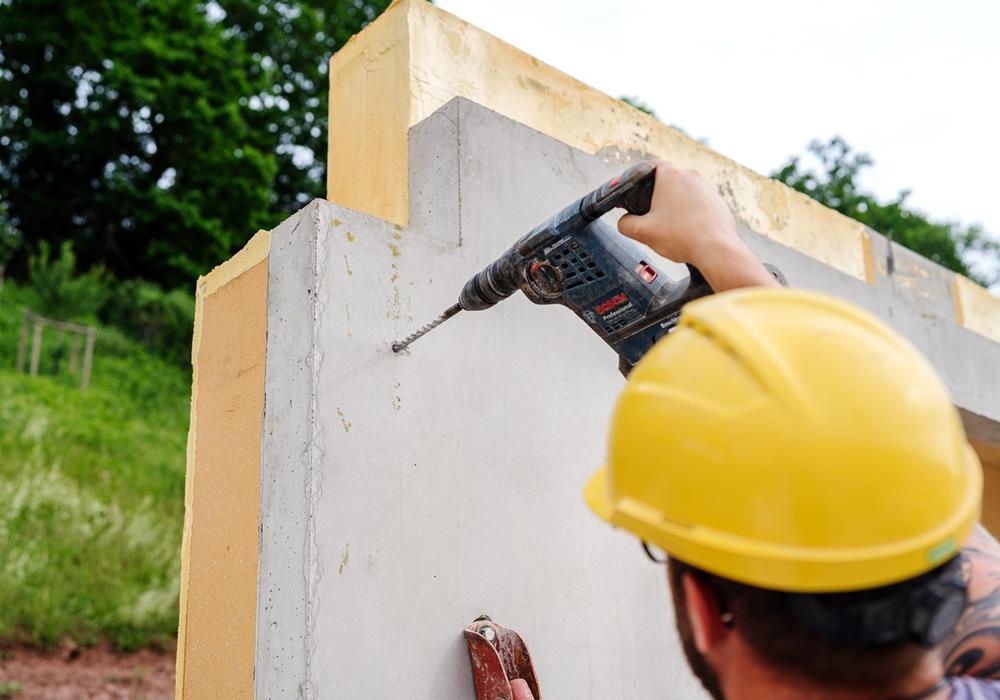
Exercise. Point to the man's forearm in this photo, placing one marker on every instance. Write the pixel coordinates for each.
(688, 222)
(973, 649)
(735, 266)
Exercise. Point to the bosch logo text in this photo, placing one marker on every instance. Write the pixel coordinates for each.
(611, 303)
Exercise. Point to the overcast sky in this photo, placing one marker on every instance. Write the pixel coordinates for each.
(915, 83)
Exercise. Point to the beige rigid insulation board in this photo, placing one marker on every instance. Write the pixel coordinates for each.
(216, 634)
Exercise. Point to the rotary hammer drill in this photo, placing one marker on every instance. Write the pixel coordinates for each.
(583, 263)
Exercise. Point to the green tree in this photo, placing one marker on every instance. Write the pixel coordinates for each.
(10, 242)
(290, 44)
(122, 133)
(57, 290)
(969, 250)
(156, 136)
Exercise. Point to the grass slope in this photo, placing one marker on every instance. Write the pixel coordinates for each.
(91, 492)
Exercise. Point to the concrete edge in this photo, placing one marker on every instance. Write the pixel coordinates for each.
(285, 609)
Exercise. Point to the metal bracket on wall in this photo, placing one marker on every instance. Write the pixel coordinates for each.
(498, 656)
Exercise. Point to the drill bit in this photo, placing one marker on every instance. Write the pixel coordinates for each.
(424, 330)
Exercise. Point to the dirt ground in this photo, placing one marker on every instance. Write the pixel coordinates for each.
(73, 673)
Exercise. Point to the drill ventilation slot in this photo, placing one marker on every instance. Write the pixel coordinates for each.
(576, 266)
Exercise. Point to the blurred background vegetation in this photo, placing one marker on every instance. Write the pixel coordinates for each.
(92, 487)
(142, 143)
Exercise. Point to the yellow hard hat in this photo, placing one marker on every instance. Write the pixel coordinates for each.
(787, 440)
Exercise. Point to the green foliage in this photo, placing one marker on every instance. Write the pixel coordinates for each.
(633, 101)
(158, 136)
(290, 43)
(59, 292)
(835, 184)
(9, 689)
(123, 133)
(163, 321)
(10, 241)
(92, 486)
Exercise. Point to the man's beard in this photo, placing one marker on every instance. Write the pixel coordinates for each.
(698, 663)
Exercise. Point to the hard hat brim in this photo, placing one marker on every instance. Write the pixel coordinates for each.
(787, 567)
(596, 495)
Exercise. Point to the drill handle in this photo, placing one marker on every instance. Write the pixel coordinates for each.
(697, 279)
(631, 191)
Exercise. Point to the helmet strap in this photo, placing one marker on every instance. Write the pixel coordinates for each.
(923, 610)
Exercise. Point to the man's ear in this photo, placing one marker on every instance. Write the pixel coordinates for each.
(704, 615)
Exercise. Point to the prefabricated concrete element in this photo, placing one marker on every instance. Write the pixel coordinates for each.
(403, 495)
(416, 57)
(911, 293)
(350, 510)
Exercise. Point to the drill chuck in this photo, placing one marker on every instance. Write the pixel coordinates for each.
(492, 284)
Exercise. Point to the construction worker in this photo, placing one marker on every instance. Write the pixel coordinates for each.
(810, 481)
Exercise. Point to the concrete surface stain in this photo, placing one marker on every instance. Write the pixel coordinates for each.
(529, 82)
(456, 45)
(397, 236)
(350, 237)
(343, 420)
(396, 400)
(347, 264)
(336, 222)
(772, 197)
(395, 301)
(343, 559)
(395, 250)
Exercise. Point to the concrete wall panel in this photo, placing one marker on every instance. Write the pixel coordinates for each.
(445, 482)
(450, 486)
(403, 495)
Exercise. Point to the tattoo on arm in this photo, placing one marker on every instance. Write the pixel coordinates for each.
(973, 649)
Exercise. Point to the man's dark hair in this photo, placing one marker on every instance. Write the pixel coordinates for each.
(771, 622)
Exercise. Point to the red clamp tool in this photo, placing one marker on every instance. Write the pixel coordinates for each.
(498, 656)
